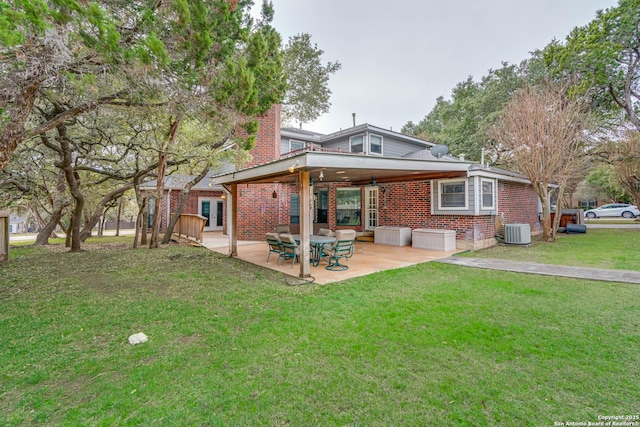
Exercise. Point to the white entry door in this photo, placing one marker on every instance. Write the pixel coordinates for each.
(370, 208)
(212, 209)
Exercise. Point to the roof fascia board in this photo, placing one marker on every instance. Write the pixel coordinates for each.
(333, 160)
(375, 129)
(313, 160)
(502, 177)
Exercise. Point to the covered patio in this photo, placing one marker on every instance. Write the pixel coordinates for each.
(368, 258)
(305, 168)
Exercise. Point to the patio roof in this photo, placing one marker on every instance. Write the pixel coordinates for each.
(340, 167)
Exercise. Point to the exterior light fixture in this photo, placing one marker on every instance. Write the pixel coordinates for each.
(321, 176)
(292, 168)
(274, 194)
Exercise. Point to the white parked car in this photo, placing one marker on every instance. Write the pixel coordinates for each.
(612, 210)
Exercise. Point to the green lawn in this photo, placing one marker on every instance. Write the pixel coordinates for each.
(614, 248)
(232, 345)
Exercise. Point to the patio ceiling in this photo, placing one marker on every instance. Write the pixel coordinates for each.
(337, 167)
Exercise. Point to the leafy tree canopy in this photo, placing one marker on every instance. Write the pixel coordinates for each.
(133, 53)
(464, 121)
(603, 59)
(308, 92)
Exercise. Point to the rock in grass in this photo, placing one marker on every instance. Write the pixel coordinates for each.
(138, 338)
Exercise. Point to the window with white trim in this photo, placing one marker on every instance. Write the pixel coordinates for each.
(356, 144)
(375, 144)
(295, 145)
(294, 209)
(487, 194)
(452, 194)
(348, 206)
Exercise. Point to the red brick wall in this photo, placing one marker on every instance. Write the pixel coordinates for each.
(405, 204)
(192, 200)
(409, 205)
(400, 204)
(190, 208)
(258, 210)
(267, 146)
(518, 204)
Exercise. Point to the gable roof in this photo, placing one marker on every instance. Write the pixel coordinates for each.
(355, 130)
(178, 182)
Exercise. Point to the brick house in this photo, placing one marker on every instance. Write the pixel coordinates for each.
(358, 178)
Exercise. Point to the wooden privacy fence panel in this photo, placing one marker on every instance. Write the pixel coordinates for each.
(191, 226)
(4, 235)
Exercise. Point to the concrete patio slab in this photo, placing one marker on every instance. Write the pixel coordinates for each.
(368, 258)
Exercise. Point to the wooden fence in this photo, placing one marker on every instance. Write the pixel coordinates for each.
(191, 226)
(4, 235)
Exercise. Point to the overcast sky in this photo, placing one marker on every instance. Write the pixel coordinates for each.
(398, 56)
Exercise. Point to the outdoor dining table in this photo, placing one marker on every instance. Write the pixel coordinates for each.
(316, 243)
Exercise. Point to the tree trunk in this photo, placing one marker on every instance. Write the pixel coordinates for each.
(101, 220)
(47, 230)
(184, 195)
(541, 189)
(98, 212)
(162, 167)
(67, 239)
(558, 216)
(141, 202)
(33, 208)
(157, 214)
(118, 216)
(18, 114)
(145, 227)
(77, 214)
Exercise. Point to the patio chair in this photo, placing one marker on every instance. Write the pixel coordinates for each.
(325, 232)
(275, 245)
(342, 248)
(283, 229)
(290, 249)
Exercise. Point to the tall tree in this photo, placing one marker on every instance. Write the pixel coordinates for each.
(623, 154)
(198, 58)
(464, 122)
(542, 134)
(308, 92)
(602, 183)
(128, 53)
(603, 59)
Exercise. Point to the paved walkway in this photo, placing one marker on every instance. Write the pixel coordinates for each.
(622, 276)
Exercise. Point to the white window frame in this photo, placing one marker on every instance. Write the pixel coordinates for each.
(381, 144)
(466, 194)
(493, 196)
(363, 143)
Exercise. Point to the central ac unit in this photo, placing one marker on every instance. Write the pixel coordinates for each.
(517, 234)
